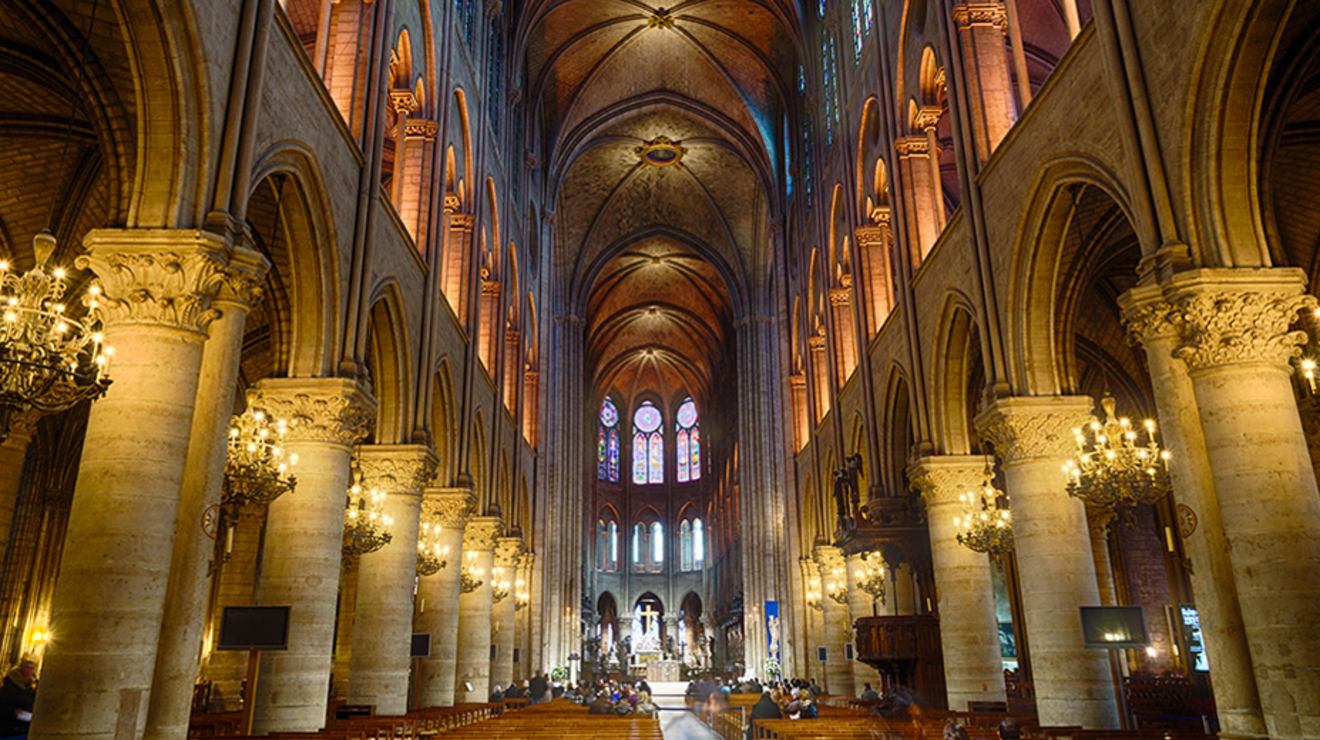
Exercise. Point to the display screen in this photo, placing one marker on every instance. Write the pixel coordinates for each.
(254, 628)
(1107, 627)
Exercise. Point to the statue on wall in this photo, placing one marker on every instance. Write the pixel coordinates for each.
(847, 494)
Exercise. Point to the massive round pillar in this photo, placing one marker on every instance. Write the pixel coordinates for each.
(503, 611)
(437, 594)
(969, 630)
(382, 628)
(472, 673)
(837, 619)
(1033, 437)
(106, 615)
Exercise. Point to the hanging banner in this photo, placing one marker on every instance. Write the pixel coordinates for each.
(772, 629)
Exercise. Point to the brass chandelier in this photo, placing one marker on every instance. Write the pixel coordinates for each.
(814, 595)
(1112, 471)
(499, 588)
(366, 525)
(470, 576)
(522, 598)
(837, 588)
(431, 556)
(986, 525)
(256, 465)
(48, 360)
(872, 578)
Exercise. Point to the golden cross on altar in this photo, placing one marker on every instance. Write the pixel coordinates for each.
(647, 612)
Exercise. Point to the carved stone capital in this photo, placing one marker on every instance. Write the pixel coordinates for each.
(421, 128)
(451, 202)
(829, 558)
(244, 279)
(816, 343)
(870, 236)
(840, 297)
(912, 146)
(397, 468)
(449, 507)
(507, 552)
(1147, 315)
(482, 532)
(462, 222)
(22, 427)
(797, 381)
(526, 561)
(967, 15)
(943, 478)
(1098, 520)
(158, 277)
(531, 376)
(928, 117)
(1031, 428)
(490, 287)
(1238, 316)
(332, 410)
(403, 101)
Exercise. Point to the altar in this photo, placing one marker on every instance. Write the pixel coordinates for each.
(662, 670)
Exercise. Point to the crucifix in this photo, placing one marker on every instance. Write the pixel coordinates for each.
(648, 614)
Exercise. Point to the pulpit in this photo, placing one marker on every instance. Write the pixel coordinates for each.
(906, 651)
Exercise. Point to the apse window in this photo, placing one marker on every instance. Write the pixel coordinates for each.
(688, 442)
(648, 445)
(607, 442)
(692, 545)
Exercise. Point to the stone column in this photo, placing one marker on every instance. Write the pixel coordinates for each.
(522, 668)
(1236, 343)
(837, 622)
(346, 609)
(860, 605)
(185, 603)
(1232, 678)
(503, 613)
(1033, 437)
(157, 287)
(919, 195)
(965, 591)
(474, 611)
(981, 29)
(304, 545)
(1097, 523)
(382, 628)
(813, 630)
(237, 587)
(902, 589)
(437, 595)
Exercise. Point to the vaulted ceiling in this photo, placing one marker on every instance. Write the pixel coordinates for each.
(612, 82)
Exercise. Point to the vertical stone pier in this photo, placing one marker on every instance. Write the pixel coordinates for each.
(838, 622)
(437, 595)
(503, 613)
(474, 611)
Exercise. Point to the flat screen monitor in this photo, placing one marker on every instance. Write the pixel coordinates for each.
(1109, 627)
(254, 628)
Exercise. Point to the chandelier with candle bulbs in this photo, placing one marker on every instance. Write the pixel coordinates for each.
(431, 555)
(871, 578)
(49, 361)
(814, 595)
(1112, 469)
(986, 525)
(257, 467)
(469, 577)
(499, 588)
(366, 525)
(521, 598)
(837, 588)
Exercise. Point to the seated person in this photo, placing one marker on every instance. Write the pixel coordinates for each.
(809, 708)
(17, 695)
(601, 705)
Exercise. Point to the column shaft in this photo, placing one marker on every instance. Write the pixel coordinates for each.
(110, 596)
(1033, 437)
(503, 613)
(1237, 701)
(474, 612)
(237, 587)
(969, 629)
(1237, 344)
(860, 604)
(304, 546)
(437, 595)
(382, 630)
(838, 627)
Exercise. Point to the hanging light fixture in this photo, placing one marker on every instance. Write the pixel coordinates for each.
(48, 360)
(837, 588)
(366, 525)
(1112, 471)
(256, 464)
(431, 555)
(872, 578)
(813, 594)
(986, 525)
(499, 587)
(471, 574)
(522, 598)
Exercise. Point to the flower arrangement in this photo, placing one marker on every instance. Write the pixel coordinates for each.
(772, 667)
(559, 673)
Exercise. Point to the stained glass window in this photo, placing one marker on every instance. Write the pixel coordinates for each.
(602, 559)
(613, 456)
(863, 15)
(808, 180)
(657, 544)
(494, 81)
(648, 445)
(639, 459)
(607, 443)
(637, 545)
(685, 545)
(657, 472)
(614, 545)
(821, 9)
(831, 85)
(802, 79)
(689, 442)
(682, 445)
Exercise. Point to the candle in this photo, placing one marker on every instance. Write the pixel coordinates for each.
(229, 540)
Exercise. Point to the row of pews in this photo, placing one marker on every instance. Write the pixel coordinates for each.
(841, 719)
(556, 719)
